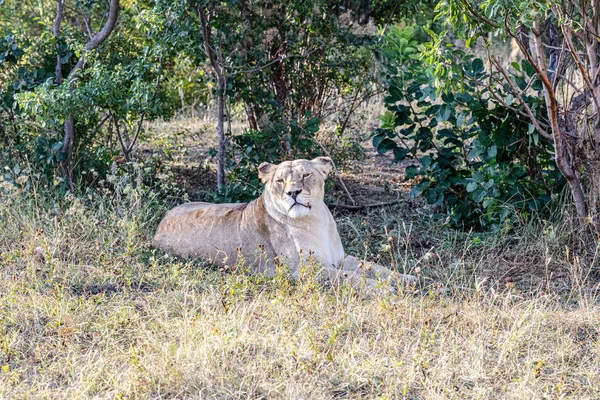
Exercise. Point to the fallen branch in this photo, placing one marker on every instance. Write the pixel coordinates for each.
(362, 207)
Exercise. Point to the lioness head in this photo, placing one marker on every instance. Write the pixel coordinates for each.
(294, 187)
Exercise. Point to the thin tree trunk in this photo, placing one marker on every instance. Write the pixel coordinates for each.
(68, 143)
(563, 158)
(95, 41)
(364, 12)
(56, 32)
(69, 126)
(221, 135)
(251, 114)
(216, 61)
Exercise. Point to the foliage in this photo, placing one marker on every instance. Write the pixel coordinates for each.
(553, 36)
(152, 64)
(121, 86)
(473, 158)
(248, 150)
(344, 149)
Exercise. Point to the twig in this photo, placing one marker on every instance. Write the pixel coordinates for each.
(250, 71)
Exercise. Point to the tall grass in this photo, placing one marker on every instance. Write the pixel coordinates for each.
(89, 310)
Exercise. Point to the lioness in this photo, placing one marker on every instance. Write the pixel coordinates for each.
(286, 224)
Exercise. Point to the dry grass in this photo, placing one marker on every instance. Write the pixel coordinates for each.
(88, 310)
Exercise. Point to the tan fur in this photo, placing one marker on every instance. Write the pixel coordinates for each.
(276, 226)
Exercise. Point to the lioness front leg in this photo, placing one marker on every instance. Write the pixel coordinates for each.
(375, 271)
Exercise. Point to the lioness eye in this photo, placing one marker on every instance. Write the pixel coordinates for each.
(279, 181)
(306, 175)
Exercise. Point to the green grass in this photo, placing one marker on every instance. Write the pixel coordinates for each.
(89, 310)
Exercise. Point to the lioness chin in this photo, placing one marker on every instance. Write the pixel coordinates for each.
(287, 221)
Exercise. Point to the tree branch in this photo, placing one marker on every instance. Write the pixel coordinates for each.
(479, 16)
(97, 40)
(517, 93)
(56, 31)
(113, 13)
(207, 45)
(361, 207)
(567, 34)
(276, 60)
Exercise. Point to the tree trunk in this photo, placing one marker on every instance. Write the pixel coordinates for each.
(68, 142)
(216, 61)
(364, 12)
(95, 41)
(221, 134)
(251, 114)
(564, 159)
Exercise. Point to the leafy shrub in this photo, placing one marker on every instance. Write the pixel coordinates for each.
(477, 159)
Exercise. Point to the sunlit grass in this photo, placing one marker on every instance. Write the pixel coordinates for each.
(88, 310)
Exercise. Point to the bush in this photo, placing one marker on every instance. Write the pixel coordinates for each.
(477, 159)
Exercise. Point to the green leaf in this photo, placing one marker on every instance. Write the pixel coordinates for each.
(477, 66)
(411, 172)
(488, 185)
(444, 112)
(476, 150)
(463, 97)
(425, 161)
(478, 195)
(418, 189)
(400, 153)
(472, 186)
(386, 145)
(377, 139)
(460, 119)
(528, 68)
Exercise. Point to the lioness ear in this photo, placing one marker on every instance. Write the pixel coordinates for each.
(323, 164)
(265, 170)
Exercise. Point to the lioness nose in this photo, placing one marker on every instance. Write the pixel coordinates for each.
(294, 193)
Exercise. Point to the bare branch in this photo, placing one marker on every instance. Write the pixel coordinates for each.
(276, 60)
(356, 207)
(517, 93)
(120, 138)
(559, 66)
(585, 17)
(567, 34)
(210, 52)
(86, 22)
(97, 40)
(59, 14)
